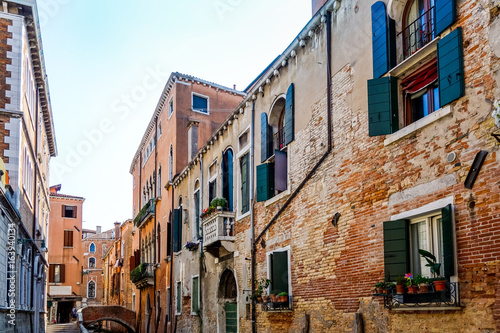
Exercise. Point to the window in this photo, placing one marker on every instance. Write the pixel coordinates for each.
(92, 248)
(431, 230)
(122, 249)
(29, 89)
(171, 164)
(159, 129)
(91, 289)
(92, 262)
(195, 296)
(279, 271)
(68, 238)
(159, 181)
(177, 230)
(245, 186)
(200, 103)
(227, 178)
(133, 302)
(169, 235)
(170, 107)
(429, 80)
(212, 189)
(69, 211)
(56, 273)
(178, 297)
(104, 249)
(28, 175)
(196, 210)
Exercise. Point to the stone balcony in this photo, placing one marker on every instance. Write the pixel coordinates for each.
(218, 233)
(142, 276)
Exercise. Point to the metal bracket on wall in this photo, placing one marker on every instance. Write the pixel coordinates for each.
(475, 168)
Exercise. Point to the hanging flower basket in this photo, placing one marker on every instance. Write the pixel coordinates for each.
(191, 246)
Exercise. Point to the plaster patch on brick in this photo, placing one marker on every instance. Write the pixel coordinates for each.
(423, 189)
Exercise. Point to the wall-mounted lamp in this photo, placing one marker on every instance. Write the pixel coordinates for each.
(335, 219)
(28, 240)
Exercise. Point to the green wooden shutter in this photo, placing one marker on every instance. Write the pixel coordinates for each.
(448, 247)
(177, 230)
(396, 249)
(194, 299)
(279, 271)
(231, 310)
(445, 14)
(451, 67)
(245, 205)
(266, 138)
(265, 181)
(290, 115)
(382, 106)
(383, 40)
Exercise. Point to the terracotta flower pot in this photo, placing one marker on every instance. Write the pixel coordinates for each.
(423, 288)
(440, 285)
(412, 289)
(400, 288)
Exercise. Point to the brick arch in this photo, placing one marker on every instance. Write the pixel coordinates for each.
(96, 313)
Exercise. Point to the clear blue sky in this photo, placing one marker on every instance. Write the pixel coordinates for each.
(108, 61)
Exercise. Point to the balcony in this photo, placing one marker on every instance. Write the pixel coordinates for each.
(418, 33)
(142, 276)
(285, 306)
(218, 231)
(147, 211)
(447, 299)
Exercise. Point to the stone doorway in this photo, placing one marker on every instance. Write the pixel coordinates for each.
(227, 300)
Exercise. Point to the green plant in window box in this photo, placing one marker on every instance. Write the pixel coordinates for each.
(274, 295)
(379, 287)
(438, 281)
(283, 296)
(400, 284)
(260, 290)
(218, 203)
(423, 283)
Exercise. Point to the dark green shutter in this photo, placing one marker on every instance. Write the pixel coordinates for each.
(383, 40)
(279, 271)
(266, 138)
(177, 230)
(289, 115)
(382, 106)
(450, 67)
(448, 248)
(245, 206)
(265, 181)
(396, 249)
(231, 310)
(445, 14)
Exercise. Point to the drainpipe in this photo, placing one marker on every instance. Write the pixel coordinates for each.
(329, 120)
(201, 257)
(140, 239)
(172, 285)
(252, 221)
(154, 223)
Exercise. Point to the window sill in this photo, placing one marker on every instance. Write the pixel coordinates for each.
(241, 217)
(277, 198)
(410, 129)
(406, 64)
(430, 308)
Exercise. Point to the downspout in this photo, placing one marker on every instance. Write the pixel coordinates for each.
(252, 221)
(154, 222)
(201, 257)
(173, 320)
(140, 238)
(329, 126)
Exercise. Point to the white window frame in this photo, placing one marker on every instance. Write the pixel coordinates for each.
(133, 301)
(177, 283)
(88, 262)
(192, 291)
(428, 209)
(202, 96)
(171, 111)
(237, 158)
(288, 250)
(90, 248)
(197, 191)
(95, 289)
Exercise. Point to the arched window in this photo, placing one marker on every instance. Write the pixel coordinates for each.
(92, 248)
(418, 25)
(227, 178)
(91, 289)
(91, 262)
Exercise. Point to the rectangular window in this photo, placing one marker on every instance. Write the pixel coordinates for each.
(278, 271)
(200, 103)
(69, 211)
(178, 298)
(68, 238)
(195, 301)
(28, 175)
(133, 302)
(170, 107)
(426, 233)
(212, 190)
(169, 239)
(196, 220)
(56, 273)
(245, 186)
(177, 230)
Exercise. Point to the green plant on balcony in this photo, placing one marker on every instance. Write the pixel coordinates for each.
(218, 202)
(139, 273)
(142, 213)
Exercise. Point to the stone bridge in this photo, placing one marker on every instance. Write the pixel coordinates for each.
(94, 314)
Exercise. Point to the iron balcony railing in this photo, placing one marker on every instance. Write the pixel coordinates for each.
(449, 297)
(418, 33)
(219, 226)
(279, 306)
(147, 210)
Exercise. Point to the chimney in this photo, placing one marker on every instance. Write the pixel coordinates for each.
(98, 229)
(316, 5)
(117, 230)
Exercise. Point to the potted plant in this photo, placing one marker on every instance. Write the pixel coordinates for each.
(379, 287)
(218, 203)
(274, 296)
(410, 283)
(438, 281)
(260, 290)
(400, 284)
(283, 296)
(423, 283)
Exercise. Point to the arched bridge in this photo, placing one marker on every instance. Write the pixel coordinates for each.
(93, 314)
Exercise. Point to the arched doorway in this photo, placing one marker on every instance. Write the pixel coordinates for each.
(228, 306)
